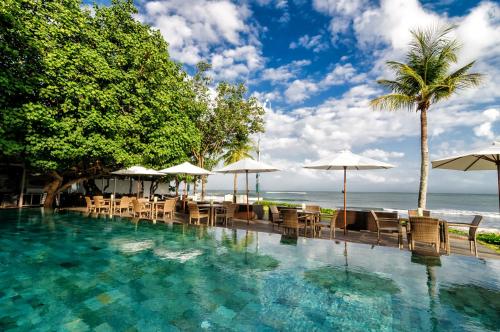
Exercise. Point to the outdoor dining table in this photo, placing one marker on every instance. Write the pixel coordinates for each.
(212, 207)
(311, 218)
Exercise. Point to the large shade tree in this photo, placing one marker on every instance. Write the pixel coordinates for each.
(423, 80)
(225, 118)
(84, 93)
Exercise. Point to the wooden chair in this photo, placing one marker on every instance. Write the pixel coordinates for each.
(332, 223)
(424, 229)
(123, 204)
(312, 219)
(473, 226)
(226, 213)
(169, 208)
(290, 221)
(90, 205)
(140, 208)
(100, 204)
(275, 216)
(394, 227)
(196, 213)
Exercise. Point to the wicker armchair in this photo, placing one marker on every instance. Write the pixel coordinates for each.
(226, 213)
(290, 221)
(90, 205)
(414, 213)
(196, 213)
(123, 204)
(167, 209)
(100, 204)
(395, 227)
(140, 208)
(331, 223)
(473, 226)
(275, 216)
(424, 229)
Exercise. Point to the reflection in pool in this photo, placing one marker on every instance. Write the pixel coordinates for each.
(79, 273)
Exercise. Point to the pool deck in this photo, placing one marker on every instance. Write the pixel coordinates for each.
(459, 244)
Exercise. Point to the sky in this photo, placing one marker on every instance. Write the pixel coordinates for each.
(314, 64)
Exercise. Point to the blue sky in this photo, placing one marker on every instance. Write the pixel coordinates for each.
(316, 63)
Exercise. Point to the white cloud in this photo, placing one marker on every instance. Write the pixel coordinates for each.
(313, 43)
(284, 73)
(382, 155)
(485, 129)
(302, 89)
(217, 31)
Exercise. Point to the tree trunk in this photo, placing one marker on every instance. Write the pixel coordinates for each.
(424, 159)
(235, 187)
(195, 184)
(52, 189)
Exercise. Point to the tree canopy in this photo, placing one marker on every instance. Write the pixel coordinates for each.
(88, 92)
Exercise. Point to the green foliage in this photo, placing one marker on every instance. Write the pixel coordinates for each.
(237, 152)
(225, 122)
(294, 205)
(491, 239)
(85, 93)
(425, 78)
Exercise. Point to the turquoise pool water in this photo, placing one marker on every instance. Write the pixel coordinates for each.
(65, 271)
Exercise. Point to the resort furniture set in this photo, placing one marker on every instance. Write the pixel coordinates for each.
(137, 207)
(419, 228)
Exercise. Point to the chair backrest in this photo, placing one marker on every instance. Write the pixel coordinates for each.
(333, 220)
(170, 204)
(136, 205)
(124, 202)
(472, 230)
(414, 213)
(290, 217)
(374, 215)
(193, 209)
(273, 209)
(424, 229)
(230, 210)
(98, 201)
(88, 201)
(313, 208)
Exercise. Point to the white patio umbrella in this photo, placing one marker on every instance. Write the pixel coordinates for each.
(137, 171)
(186, 168)
(346, 160)
(482, 159)
(246, 166)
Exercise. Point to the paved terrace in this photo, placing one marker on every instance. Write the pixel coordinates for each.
(459, 244)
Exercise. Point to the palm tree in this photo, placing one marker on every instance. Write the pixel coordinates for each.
(235, 153)
(424, 80)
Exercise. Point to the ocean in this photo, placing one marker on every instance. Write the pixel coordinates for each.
(452, 207)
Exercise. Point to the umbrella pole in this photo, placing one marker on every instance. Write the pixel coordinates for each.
(345, 211)
(248, 206)
(498, 175)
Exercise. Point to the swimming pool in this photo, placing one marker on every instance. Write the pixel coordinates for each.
(79, 273)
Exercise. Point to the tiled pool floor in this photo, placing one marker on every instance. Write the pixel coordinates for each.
(65, 271)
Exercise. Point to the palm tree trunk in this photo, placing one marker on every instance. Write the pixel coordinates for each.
(424, 159)
(235, 187)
